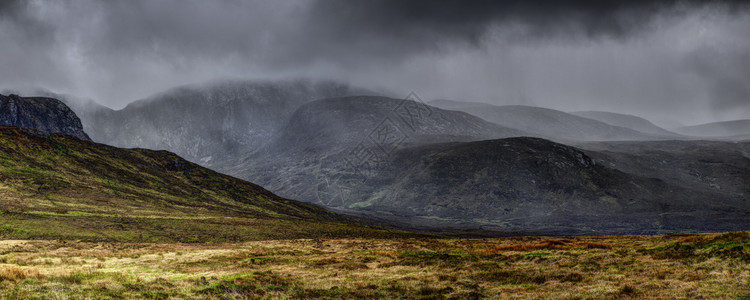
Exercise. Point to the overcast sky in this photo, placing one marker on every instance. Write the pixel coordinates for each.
(682, 60)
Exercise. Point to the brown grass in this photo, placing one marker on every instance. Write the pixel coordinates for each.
(544, 245)
(14, 273)
(629, 267)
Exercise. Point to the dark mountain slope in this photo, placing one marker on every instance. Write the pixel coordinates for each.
(711, 166)
(210, 121)
(43, 114)
(59, 187)
(740, 128)
(86, 109)
(342, 122)
(329, 153)
(539, 186)
(626, 121)
(347, 138)
(544, 122)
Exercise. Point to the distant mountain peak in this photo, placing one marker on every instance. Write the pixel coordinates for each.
(735, 129)
(546, 122)
(215, 119)
(626, 121)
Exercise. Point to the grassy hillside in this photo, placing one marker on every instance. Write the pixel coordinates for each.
(56, 187)
(696, 266)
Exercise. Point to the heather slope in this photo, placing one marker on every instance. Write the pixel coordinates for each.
(54, 187)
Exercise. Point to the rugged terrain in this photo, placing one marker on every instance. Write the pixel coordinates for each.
(343, 139)
(413, 165)
(59, 187)
(208, 121)
(449, 170)
(708, 166)
(541, 187)
(44, 114)
(81, 219)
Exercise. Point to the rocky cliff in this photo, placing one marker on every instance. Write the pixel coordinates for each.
(44, 114)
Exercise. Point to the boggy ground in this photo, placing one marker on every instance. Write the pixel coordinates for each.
(689, 266)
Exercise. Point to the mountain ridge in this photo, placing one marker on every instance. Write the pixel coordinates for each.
(627, 121)
(54, 186)
(544, 122)
(347, 138)
(535, 185)
(207, 121)
(724, 129)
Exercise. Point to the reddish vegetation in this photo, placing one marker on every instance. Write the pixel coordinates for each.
(546, 245)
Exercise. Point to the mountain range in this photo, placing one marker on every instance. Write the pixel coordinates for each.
(55, 185)
(535, 185)
(210, 121)
(727, 129)
(347, 139)
(627, 121)
(547, 123)
(444, 164)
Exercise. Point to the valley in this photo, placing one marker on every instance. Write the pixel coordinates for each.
(415, 202)
(374, 149)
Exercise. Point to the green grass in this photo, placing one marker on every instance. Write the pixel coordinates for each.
(64, 188)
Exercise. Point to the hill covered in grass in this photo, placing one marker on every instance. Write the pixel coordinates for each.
(59, 187)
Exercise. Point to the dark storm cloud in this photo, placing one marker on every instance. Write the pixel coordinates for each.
(550, 53)
(421, 20)
(24, 56)
(395, 30)
(424, 24)
(9, 7)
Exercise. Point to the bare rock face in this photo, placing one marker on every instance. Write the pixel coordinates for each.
(43, 114)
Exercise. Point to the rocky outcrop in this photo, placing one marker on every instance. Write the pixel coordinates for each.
(43, 114)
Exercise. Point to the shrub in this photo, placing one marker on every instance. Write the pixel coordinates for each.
(12, 273)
